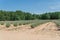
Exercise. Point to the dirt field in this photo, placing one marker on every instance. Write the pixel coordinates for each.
(47, 31)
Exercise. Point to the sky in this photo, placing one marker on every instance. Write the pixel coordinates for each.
(32, 6)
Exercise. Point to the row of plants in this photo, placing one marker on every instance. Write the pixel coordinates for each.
(34, 23)
(15, 24)
(39, 23)
(57, 22)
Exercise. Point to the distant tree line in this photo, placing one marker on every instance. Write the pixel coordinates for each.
(20, 15)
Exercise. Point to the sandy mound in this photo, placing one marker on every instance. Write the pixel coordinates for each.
(30, 35)
(50, 26)
(13, 28)
(47, 32)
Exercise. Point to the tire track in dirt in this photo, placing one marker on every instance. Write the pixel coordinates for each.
(50, 26)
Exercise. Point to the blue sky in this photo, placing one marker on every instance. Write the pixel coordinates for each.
(33, 6)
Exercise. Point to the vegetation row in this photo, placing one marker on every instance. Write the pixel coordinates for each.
(33, 23)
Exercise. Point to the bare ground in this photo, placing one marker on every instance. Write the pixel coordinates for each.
(47, 31)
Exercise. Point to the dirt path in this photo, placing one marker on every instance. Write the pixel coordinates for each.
(50, 26)
(31, 34)
(26, 36)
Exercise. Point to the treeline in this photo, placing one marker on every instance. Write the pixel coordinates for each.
(51, 15)
(20, 15)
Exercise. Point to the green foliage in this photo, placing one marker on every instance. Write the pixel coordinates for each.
(45, 16)
(15, 24)
(38, 22)
(33, 26)
(7, 25)
(25, 23)
(20, 15)
(33, 23)
(20, 23)
(2, 23)
(57, 22)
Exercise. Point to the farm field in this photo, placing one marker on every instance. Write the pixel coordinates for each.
(30, 30)
(18, 24)
(29, 19)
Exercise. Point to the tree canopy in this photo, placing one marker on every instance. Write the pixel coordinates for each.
(20, 15)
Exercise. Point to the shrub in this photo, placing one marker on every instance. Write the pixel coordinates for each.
(15, 24)
(7, 25)
(32, 26)
(20, 23)
(2, 23)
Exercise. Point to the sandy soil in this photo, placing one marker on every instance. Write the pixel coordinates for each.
(45, 31)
